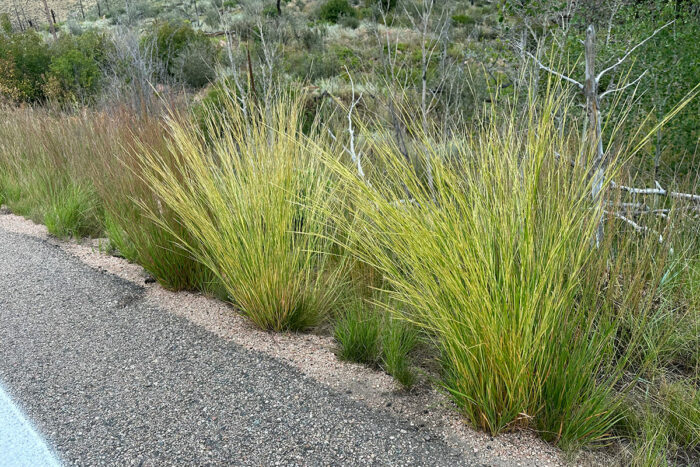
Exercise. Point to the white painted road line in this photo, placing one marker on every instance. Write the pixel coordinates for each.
(20, 444)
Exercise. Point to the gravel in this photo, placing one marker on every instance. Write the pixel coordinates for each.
(110, 379)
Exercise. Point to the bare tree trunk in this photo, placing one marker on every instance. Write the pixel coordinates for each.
(19, 20)
(279, 7)
(48, 18)
(590, 91)
(82, 10)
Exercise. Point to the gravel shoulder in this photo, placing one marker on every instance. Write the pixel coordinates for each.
(113, 371)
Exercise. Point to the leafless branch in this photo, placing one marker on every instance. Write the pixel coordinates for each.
(628, 85)
(630, 51)
(659, 191)
(637, 227)
(356, 157)
(555, 73)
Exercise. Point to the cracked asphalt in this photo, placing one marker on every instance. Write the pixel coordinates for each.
(109, 380)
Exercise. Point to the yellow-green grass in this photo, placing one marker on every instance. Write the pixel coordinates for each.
(495, 259)
(247, 202)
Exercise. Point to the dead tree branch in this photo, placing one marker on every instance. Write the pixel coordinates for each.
(631, 51)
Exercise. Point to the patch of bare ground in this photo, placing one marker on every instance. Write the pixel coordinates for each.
(314, 356)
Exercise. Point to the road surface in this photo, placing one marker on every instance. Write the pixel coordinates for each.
(94, 376)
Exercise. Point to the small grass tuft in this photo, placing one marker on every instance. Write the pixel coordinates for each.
(358, 334)
(74, 212)
(398, 340)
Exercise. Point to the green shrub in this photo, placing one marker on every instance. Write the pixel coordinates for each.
(333, 10)
(73, 75)
(171, 39)
(5, 23)
(463, 20)
(195, 64)
(386, 5)
(349, 21)
(25, 60)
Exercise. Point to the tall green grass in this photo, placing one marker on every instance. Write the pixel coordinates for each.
(135, 234)
(244, 189)
(494, 260)
(43, 174)
(77, 174)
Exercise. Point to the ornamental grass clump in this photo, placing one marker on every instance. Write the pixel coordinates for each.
(487, 243)
(245, 186)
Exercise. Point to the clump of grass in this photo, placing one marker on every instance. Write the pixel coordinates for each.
(398, 340)
(358, 334)
(74, 212)
(137, 236)
(244, 201)
(373, 337)
(46, 162)
(491, 258)
(681, 407)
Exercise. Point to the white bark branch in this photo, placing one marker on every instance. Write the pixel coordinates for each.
(628, 85)
(630, 51)
(356, 158)
(635, 226)
(659, 191)
(555, 73)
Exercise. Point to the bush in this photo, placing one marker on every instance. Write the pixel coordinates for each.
(171, 40)
(463, 20)
(195, 64)
(333, 10)
(25, 60)
(73, 75)
(386, 5)
(5, 23)
(349, 21)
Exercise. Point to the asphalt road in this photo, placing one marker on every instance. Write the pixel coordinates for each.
(107, 380)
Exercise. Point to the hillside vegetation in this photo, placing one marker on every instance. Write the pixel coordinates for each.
(497, 196)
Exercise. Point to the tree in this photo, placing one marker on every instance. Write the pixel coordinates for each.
(48, 18)
(590, 89)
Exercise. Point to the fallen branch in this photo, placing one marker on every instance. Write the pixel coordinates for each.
(658, 191)
(637, 227)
